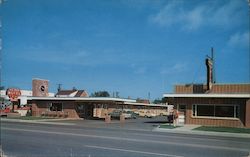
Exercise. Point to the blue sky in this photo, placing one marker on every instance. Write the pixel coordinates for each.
(133, 47)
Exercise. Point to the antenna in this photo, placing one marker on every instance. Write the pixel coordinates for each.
(59, 87)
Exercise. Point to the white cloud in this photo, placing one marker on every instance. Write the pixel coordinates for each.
(138, 69)
(175, 69)
(229, 14)
(167, 15)
(210, 13)
(59, 57)
(82, 57)
(239, 40)
(194, 19)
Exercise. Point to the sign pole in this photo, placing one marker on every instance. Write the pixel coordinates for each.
(13, 94)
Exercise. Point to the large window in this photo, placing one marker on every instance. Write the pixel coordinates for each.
(205, 110)
(56, 107)
(230, 111)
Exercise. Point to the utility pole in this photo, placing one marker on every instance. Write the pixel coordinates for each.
(59, 87)
(117, 94)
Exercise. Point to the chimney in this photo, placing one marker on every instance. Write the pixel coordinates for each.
(40, 87)
(209, 64)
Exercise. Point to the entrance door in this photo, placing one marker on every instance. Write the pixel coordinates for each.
(89, 109)
(182, 113)
(85, 110)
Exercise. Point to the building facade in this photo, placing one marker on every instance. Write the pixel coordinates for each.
(225, 105)
(212, 104)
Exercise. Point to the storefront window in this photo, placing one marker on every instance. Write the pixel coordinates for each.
(56, 107)
(205, 110)
(230, 111)
(224, 111)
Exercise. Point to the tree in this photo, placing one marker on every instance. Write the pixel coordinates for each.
(160, 101)
(157, 101)
(100, 94)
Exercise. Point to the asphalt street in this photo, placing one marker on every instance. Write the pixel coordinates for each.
(92, 138)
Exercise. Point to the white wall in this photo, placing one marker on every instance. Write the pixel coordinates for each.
(23, 97)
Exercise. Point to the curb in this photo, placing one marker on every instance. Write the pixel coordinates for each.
(208, 133)
(43, 121)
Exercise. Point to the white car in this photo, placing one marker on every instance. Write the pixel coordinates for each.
(150, 115)
(127, 115)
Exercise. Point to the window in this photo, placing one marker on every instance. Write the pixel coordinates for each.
(229, 111)
(205, 110)
(224, 111)
(182, 107)
(56, 107)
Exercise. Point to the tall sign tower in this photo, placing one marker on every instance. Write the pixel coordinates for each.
(210, 70)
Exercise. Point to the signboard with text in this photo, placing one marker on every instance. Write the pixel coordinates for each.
(13, 94)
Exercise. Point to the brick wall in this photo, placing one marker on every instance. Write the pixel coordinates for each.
(216, 88)
(39, 107)
(231, 88)
(189, 119)
(248, 114)
(40, 87)
(188, 89)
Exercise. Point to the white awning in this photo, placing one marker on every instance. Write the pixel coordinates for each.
(206, 96)
(144, 104)
(81, 99)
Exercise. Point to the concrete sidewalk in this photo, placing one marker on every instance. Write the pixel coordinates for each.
(188, 129)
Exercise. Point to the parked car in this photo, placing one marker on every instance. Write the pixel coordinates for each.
(127, 114)
(147, 114)
(116, 114)
(4, 109)
(150, 115)
(131, 114)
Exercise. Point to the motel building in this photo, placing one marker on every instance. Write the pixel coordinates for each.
(77, 104)
(212, 104)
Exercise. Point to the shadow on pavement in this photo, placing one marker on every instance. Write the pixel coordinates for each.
(159, 122)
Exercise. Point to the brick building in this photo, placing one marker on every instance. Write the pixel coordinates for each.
(212, 104)
(77, 104)
(226, 105)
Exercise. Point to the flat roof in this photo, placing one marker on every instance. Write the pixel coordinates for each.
(206, 95)
(144, 104)
(82, 99)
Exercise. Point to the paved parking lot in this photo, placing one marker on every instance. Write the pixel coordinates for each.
(140, 123)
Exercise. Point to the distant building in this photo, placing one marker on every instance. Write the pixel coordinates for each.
(145, 101)
(72, 93)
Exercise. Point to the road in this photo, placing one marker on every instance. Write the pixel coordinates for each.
(97, 139)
